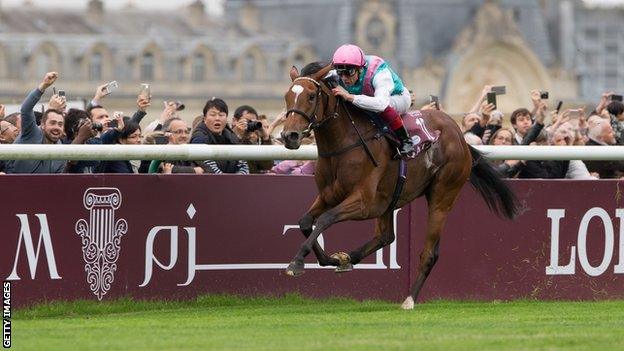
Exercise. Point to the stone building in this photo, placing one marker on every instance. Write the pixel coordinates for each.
(449, 48)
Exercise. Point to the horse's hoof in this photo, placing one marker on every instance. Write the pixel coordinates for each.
(344, 268)
(294, 269)
(344, 262)
(408, 304)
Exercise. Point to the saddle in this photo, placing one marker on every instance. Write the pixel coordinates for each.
(414, 122)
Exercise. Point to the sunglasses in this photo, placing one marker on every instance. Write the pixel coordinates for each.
(346, 71)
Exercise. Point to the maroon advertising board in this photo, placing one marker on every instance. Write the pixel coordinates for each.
(178, 236)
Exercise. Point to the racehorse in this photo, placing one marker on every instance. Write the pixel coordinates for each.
(352, 186)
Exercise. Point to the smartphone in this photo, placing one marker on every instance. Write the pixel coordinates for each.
(161, 139)
(145, 90)
(61, 93)
(559, 106)
(110, 87)
(113, 124)
(491, 98)
(616, 98)
(499, 90)
(544, 95)
(575, 114)
(436, 100)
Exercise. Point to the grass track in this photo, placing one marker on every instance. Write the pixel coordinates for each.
(296, 323)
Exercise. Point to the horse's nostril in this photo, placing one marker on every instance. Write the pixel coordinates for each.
(294, 136)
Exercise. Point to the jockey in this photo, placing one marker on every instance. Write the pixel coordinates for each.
(370, 84)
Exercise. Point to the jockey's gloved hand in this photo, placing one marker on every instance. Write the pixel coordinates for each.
(332, 80)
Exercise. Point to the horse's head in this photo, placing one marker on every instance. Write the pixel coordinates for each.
(306, 103)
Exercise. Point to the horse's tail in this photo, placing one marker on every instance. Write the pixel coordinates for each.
(488, 181)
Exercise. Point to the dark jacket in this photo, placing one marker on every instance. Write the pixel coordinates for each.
(606, 169)
(544, 169)
(32, 134)
(202, 135)
(111, 136)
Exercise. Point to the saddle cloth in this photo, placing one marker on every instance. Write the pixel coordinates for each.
(422, 137)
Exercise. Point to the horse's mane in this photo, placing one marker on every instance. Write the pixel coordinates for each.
(312, 68)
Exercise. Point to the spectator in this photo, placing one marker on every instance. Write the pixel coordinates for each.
(8, 132)
(178, 133)
(601, 133)
(50, 132)
(521, 122)
(214, 130)
(469, 120)
(616, 115)
(170, 111)
(15, 119)
(509, 168)
(251, 131)
(125, 134)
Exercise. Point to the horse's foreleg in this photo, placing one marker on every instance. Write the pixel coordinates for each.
(350, 208)
(306, 224)
(384, 236)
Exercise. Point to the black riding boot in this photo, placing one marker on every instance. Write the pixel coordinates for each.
(407, 145)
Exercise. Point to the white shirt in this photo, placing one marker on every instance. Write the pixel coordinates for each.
(383, 85)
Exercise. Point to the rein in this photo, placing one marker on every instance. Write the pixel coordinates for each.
(315, 124)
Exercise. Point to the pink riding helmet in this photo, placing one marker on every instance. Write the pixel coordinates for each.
(349, 54)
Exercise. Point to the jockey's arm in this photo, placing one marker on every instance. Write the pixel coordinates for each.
(383, 85)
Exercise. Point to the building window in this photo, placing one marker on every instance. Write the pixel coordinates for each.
(95, 67)
(591, 33)
(180, 69)
(147, 66)
(249, 67)
(376, 33)
(198, 72)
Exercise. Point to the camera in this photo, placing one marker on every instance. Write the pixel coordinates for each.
(179, 106)
(252, 126)
(544, 95)
(616, 98)
(110, 87)
(97, 126)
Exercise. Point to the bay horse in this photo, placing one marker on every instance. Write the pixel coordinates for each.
(352, 187)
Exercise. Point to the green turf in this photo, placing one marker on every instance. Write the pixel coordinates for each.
(295, 323)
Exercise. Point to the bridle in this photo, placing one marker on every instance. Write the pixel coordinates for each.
(313, 122)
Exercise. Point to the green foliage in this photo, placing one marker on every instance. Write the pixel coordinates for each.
(219, 322)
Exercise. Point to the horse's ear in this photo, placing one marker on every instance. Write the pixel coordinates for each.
(323, 72)
(294, 73)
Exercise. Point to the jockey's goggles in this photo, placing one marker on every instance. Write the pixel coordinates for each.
(347, 71)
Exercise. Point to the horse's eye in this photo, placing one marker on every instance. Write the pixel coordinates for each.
(311, 97)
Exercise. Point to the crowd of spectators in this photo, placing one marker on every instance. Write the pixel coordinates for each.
(539, 124)
(544, 126)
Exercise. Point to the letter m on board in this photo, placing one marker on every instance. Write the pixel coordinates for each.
(32, 255)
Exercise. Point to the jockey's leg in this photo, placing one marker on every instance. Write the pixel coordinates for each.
(392, 117)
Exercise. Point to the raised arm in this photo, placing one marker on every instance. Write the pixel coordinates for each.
(27, 109)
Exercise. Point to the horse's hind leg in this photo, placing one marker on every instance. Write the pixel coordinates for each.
(441, 198)
(384, 236)
(306, 225)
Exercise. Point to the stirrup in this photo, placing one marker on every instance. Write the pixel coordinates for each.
(407, 155)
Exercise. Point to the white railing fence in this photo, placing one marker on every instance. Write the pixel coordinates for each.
(272, 152)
